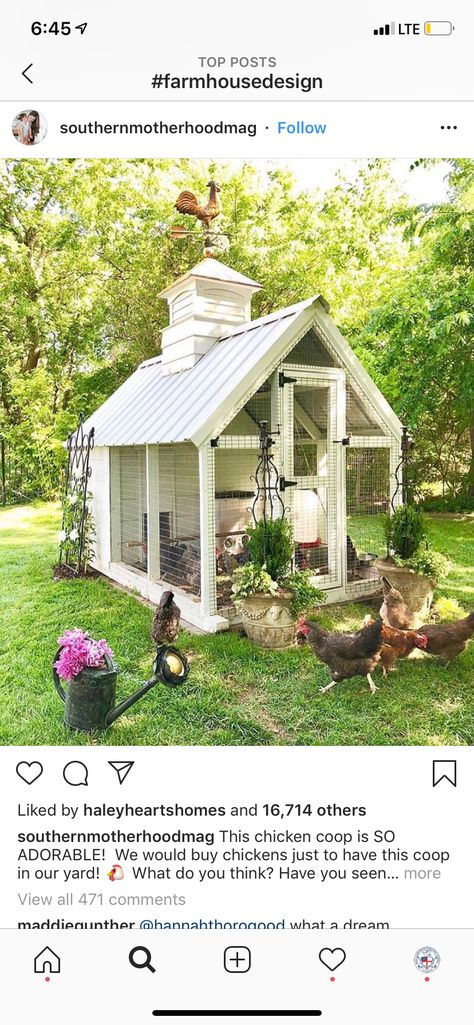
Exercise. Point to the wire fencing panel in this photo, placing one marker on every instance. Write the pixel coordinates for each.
(368, 491)
(129, 517)
(179, 517)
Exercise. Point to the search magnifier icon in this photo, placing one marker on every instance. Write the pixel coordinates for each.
(144, 958)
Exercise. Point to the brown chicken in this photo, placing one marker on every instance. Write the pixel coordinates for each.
(397, 644)
(346, 655)
(187, 203)
(449, 639)
(394, 611)
(165, 626)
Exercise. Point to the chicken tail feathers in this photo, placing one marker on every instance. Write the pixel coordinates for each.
(371, 638)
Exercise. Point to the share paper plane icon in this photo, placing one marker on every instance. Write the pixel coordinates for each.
(122, 769)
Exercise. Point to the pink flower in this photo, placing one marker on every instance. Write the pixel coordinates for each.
(78, 650)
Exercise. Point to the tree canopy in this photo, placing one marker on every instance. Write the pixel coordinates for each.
(85, 249)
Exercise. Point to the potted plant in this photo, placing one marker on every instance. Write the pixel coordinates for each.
(268, 594)
(412, 566)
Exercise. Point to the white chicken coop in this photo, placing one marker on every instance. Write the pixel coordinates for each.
(176, 448)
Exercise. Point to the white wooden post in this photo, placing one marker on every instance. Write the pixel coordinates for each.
(153, 511)
(207, 516)
(341, 478)
(115, 510)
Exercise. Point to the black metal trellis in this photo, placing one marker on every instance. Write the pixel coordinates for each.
(402, 472)
(267, 480)
(73, 552)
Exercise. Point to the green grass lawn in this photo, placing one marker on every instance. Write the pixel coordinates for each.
(236, 694)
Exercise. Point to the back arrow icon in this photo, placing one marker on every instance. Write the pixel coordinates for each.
(30, 80)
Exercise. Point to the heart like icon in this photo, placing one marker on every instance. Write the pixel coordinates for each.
(332, 959)
(29, 771)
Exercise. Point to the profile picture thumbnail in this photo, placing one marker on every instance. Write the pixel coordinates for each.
(29, 127)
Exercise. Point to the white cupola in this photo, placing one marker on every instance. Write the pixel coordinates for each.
(203, 304)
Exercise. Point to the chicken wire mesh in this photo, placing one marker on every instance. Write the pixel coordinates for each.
(314, 496)
(234, 495)
(311, 351)
(368, 492)
(257, 408)
(128, 502)
(179, 517)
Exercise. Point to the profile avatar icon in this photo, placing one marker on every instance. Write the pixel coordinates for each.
(427, 960)
(29, 127)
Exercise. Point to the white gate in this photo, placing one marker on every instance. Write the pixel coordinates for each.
(313, 411)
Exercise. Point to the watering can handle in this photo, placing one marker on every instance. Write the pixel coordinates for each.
(57, 681)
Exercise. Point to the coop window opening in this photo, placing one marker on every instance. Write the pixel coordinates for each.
(129, 512)
(234, 495)
(368, 490)
(178, 525)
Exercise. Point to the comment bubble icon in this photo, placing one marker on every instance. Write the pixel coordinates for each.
(75, 773)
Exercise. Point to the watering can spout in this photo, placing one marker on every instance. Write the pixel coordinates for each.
(90, 697)
(128, 702)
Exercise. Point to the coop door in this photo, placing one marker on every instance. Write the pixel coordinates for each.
(313, 407)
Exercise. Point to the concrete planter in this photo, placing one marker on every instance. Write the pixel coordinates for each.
(417, 590)
(267, 620)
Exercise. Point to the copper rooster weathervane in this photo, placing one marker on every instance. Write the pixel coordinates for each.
(187, 203)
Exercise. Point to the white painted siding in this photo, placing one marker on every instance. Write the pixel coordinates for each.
(99, 487)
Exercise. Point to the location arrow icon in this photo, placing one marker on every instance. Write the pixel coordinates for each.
(28, 79)
(122, 769)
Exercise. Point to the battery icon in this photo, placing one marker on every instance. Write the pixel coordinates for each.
(438, 28)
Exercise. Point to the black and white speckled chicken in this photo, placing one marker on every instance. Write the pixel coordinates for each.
(165, 626)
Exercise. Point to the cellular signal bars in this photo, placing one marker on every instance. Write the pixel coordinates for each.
(385, 30)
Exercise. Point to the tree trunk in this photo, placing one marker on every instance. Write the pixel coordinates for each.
(470, 489)
(34, 352)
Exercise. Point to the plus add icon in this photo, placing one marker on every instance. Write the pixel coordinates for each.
(237, 959)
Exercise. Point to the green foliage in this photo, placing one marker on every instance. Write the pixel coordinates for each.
(427, 562)
(449, 503)
(85, 250)
(271, 548)
(447, 610)
(404, 531)
(305, 596)
(419, 338)
(77, 516)
(252, 579)
(237, 694)
(271, 544)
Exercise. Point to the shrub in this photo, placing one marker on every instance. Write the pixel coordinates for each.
(271, 545)
(447, 610)
(252, 579)
(304, 594)
(427, 562)
(449, 504)
(405, 531)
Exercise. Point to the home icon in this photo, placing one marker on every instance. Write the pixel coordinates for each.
(47, 962)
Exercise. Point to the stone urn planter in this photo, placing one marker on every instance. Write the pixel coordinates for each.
(417, 590)
(267, 620)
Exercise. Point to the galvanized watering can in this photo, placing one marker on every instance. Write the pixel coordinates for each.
(89, 698)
